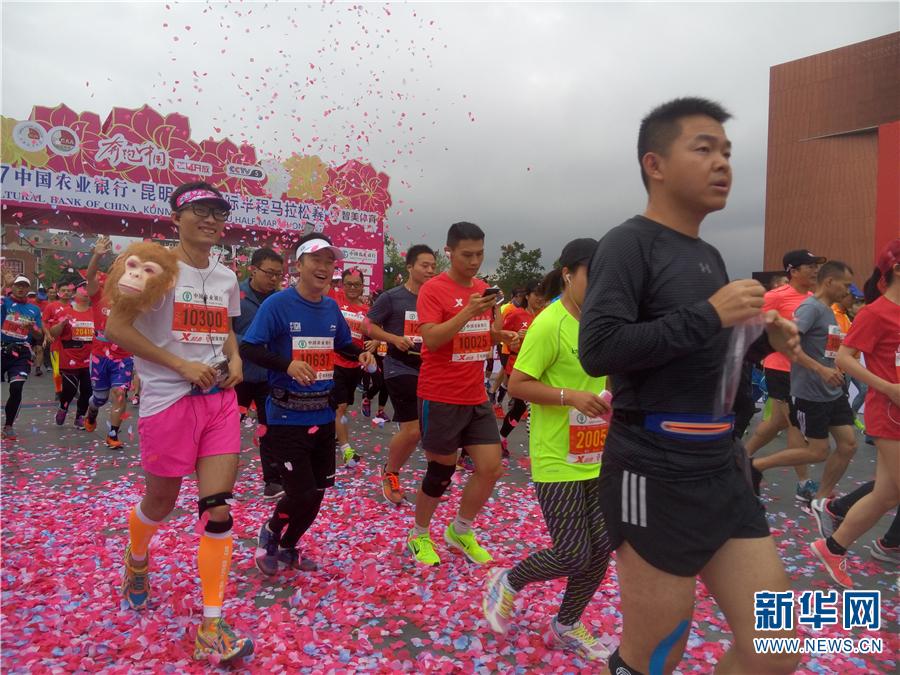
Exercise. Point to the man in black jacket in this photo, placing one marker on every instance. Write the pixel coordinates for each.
(266, 274)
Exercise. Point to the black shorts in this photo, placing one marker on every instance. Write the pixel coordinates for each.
(446, 427)
(814, 418)
(309, 455)
(16, 362)
(677, 526)
(402, 390)
(778, 384)
(345, 382)
(503, 359)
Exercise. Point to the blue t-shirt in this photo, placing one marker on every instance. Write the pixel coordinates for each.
(18, 320)
(297, 329)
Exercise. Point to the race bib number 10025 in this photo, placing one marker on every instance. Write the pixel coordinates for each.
(473, 342)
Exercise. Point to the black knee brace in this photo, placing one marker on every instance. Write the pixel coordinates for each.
(618, 667)
(220, 499)
(437, 478)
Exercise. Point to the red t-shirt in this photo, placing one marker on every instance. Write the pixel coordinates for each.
(102, 346)
(455, 372)
(79, 329)
(50, 317)
(515, 320)
(876, 333)
(354, 315)
(786, 300)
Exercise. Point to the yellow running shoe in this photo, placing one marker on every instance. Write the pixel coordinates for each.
(135, 585)
(468, 545)
(422, 549)
(221, 643)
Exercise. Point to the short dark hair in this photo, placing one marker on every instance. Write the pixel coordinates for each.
(832, 268)
(463, 230)
(260, 255)
(351, 270)
(412, 255)
(661, 125)
(196, 185)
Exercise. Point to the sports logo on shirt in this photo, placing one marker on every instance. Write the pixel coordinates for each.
(459, 303)
(295, 326)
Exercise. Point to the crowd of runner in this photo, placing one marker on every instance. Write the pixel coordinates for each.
(627, 352)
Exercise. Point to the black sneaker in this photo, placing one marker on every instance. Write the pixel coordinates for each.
(273, 491)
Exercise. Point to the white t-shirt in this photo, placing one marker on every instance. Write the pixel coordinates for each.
(191, 323)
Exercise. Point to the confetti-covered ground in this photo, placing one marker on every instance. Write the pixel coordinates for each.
(65, 501)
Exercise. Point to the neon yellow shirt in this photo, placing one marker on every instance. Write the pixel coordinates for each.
(550, 354)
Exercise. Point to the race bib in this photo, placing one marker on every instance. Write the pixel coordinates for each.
(354, 321)
(833, 342)
(411, 327)
(83, 331)
(382, 349)
(199, 320)
(473, 342)
(587, 436)
(318, 352)
(17, 326)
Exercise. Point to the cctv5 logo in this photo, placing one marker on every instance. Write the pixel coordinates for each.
(245, 172)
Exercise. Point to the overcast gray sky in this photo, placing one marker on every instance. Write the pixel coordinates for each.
(520, 117)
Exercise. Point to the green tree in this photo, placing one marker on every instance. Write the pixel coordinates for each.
(517, 266)
(394, 264)
(442, 262)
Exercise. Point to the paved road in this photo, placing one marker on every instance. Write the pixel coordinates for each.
(65, 503)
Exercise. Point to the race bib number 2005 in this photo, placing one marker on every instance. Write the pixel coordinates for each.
(197, 319)
(587, 436)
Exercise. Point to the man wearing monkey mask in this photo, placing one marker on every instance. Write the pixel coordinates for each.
(187, 354)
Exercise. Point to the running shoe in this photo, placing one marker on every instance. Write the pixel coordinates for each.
(465, 463)
(499, 601)
(79, 421)
(221, 643)
(266, 556)
(38, 372)
(273, 491)
(351, 459)
(90, 420)
(835, 565)
(290, 558)
(422, 549)
(576, 640)
(887, 554)
(366, 407)
(136, 400)
(9, 434)
(826, 521)
(806, 491)
(390, 488)
(61, 416)
(135, 584)
(113, 443)
(468, 544)
(381, 414)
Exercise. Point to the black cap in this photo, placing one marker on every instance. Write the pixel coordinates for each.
(801, 257)
(578, 251)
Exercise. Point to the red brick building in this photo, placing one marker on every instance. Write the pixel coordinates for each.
(833, 176)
